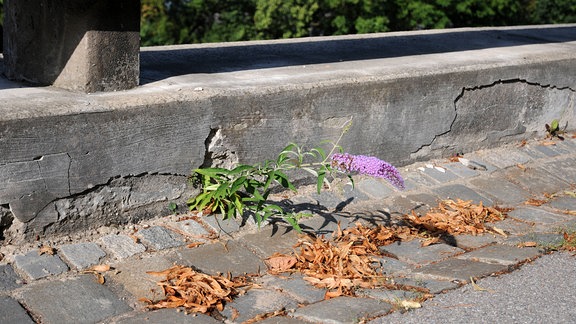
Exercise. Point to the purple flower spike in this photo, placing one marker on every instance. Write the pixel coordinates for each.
(368, 165)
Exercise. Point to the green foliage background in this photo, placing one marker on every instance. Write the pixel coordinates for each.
(166, 22)
(196, 21)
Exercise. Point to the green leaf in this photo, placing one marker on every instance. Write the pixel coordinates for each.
(321, 176)
(211, 172)
(283, 180)
(320, 152)
(237, 184)
(294, 223)
(554, 126)
(241, 168)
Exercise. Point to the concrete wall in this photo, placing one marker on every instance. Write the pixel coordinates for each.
(71, 161)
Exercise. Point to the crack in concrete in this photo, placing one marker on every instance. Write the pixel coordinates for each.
(480, 87)
(68, 173)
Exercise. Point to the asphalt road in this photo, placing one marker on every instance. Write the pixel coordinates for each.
(543, 291)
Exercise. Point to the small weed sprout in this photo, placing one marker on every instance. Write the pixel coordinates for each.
(245, 188)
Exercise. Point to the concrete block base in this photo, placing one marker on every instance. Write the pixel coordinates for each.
(73, 160)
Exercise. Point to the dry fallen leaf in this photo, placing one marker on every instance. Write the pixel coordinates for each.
(521, 167)
(476, 287)
(194, 244)
(45, 249)
(535, 202)
(101, 268)
(527, 244)
(235, 314)
(547, 143)
(195, 291)
(410, 304)
(280, 263)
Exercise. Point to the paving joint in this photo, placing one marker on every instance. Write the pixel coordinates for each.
(29, 281)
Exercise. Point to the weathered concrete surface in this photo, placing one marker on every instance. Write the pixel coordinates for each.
(78, 160)
(79, 45)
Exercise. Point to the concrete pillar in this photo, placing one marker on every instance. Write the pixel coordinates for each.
(82, 45)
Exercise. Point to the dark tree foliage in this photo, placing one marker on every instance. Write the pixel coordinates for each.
(193, 21)
(165, 22)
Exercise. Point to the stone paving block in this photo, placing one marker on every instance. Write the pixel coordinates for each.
(544, 240)
(12, 312)
(514, 227)
(563, 203)
(415, 179)
(354, 194)
(131, 275)
(374, 188)
(36, 266)
(434, 286)
(441, 177)
(282, 320)
(535, 179)
(160, 238)
(468, 242)
(501, 254)
(190, 227)
(121, 246)
(458, 191)
(171, 316)
(392, 267)
(295, 286)
(400, 205)
(462, 270)
(547, 151)
(343, 310)
(327, 199)
(389, 296)
(258, 301)
(82, 255)
(219, 257)
(483, 166)
(505, 157)
(564, 168)
(505, 192)
(413, 252)
(423, 202)
(77, 300)
(537, 215)
(461, 170)
(8, 278)
(323, 224)
(220, 225)
(271, 239)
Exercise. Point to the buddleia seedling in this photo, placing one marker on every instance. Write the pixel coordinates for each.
(554, 130)
(172, 207)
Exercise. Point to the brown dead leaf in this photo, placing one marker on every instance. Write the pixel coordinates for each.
(535, 202)
(523, 143)
(521, 167)
(99, 277)
(478, 288)
(527, 244)
(261, 317)
(409, 304)
(456, 217)
(135, 238)
(547, 143)
(235, 314)
(278, 263)
(430, 241)
(45, 249)
(195, 291)
(101, 268)
(194, 244)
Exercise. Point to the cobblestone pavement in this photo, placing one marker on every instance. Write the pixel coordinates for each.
(53, 288)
